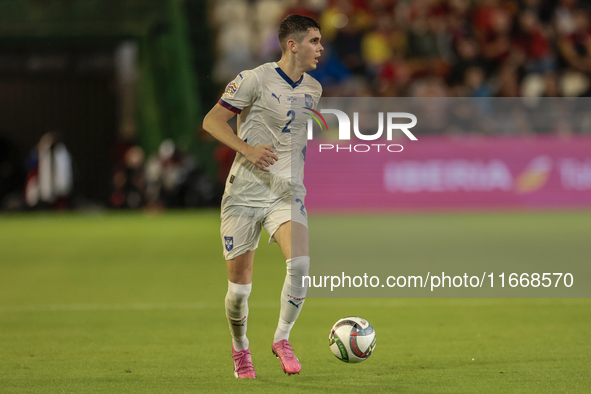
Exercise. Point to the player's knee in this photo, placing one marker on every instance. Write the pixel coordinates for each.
(298, 266)
(238, 294)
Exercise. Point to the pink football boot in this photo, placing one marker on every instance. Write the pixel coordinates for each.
(289, 362)
(243, 367)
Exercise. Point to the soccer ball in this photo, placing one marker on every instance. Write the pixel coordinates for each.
(352, 339)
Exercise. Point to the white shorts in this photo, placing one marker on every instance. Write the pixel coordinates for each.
(241, 225)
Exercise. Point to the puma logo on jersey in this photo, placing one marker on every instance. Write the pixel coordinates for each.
(273, 94)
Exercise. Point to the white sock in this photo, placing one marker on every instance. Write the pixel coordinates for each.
(237, 313)
(293, 296)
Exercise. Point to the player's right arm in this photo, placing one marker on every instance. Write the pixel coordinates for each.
(216, 124)
(242, 92)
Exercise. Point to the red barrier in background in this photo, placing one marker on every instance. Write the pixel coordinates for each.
(451, 173)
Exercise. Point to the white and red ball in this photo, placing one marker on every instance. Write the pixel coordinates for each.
(352, 339)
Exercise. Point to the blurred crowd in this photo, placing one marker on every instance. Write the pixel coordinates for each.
(422, 48)
(44, 179)
(49, 179)
(373, 48)
(170, 178)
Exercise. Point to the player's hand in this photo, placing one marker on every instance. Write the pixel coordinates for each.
(261, 156)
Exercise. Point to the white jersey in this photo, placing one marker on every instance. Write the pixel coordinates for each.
(272, 110)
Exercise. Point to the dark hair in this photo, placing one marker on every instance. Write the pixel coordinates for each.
(296, 27)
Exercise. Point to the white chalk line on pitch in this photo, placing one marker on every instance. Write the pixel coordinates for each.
(125, 307)
(112, 307)
(311, 303)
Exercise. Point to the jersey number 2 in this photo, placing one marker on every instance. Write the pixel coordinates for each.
(286, 128)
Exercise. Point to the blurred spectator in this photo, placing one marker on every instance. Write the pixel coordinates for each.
(429, 41)
(492, 27)
(394, 77)
(50, 177)
(564, 17)
(575, 42)
(174, 180)
(466, 58)
(165, 174)
(129, 185)
(347, 46)
(379, 43)
(475, 84)
(532, 39)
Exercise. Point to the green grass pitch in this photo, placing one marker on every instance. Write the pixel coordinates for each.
(133, 303)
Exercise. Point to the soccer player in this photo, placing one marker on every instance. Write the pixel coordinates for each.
(265, 185)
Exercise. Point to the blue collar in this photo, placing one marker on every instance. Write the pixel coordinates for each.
(288, 79)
